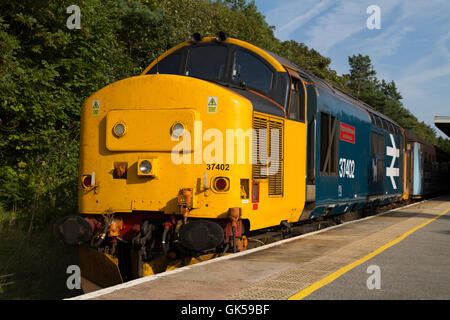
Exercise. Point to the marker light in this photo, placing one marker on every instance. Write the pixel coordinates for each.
(119, 129)
(145, 167)
(177, 130)
(221, 184)
(86, 181)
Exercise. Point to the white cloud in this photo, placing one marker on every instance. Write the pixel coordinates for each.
(425, 83)
(402, 21)
(295, 22)
(346, 19)
(420, 74)
(387, 43)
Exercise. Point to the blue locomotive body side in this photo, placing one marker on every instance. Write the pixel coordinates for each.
(391, 186)
(361, 167)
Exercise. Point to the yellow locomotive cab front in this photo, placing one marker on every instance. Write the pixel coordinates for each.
(150, 106)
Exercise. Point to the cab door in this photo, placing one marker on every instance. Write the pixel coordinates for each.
(296, 144)
(297, 111)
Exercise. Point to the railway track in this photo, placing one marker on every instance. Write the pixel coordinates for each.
(5, 280)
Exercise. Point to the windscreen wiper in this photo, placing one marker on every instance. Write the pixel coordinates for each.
(242, 83)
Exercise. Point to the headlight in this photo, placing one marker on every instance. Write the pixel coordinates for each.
(119, 129)
(145, 167)
(148, 167)
(177, 130)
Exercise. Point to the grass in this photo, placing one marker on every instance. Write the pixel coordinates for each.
(33, 264)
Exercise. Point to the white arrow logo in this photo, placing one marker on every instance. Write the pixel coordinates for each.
(394, 153)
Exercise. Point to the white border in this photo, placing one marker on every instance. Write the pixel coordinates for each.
(136, 282)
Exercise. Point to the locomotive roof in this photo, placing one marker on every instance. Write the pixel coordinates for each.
(280, 63)
(351, 99)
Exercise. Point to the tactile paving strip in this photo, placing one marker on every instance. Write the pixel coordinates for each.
(282, 286)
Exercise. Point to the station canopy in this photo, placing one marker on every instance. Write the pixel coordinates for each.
(443, 123)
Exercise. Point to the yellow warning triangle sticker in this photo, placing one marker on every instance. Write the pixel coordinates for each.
(212, 102)
(95, 107)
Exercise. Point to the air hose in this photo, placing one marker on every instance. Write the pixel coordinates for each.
(97, 241)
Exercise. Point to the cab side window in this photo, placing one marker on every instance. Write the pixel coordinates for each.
(297, 105)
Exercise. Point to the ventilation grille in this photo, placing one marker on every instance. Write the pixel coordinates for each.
(268, 131)
(259, 147)
(275, 169)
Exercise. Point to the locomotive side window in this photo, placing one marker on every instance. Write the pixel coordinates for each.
(380, 144)
(297, 105)
(169, 65)
(377, 143)
(374, 144)
(328, 144)
(385, 125)
(390, 127)
(252, 71)
(378, 122)
(207, 62)
(380, 171)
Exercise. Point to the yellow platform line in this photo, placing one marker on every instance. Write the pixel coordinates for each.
(330, 278)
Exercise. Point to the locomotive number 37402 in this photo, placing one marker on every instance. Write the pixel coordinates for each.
(346, 168)
(219, 166)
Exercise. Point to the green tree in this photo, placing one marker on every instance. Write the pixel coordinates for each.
(390, 90)
(362, 74)
(47, 72)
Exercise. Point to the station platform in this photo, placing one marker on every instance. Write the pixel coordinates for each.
(399, 254)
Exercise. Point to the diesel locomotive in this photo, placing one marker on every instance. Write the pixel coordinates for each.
(215, 139)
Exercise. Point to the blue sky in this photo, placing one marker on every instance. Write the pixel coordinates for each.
(412, 47)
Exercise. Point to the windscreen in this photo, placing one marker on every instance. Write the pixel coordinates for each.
(208, 62)
(251, 70)
(169, 65)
